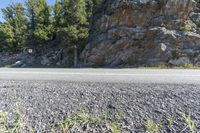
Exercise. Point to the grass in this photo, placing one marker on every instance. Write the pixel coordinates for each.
(7, 66)
(153, 127)
(115, 128)
(189, 123)
(16, 127)
(186, 66)
(83, 121)
(186, 27)
(170, 120)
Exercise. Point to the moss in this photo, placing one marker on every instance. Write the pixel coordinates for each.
(186, 27)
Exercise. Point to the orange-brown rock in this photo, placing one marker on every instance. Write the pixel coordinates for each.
(142, 32)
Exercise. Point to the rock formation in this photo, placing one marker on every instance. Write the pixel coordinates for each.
(144, 32)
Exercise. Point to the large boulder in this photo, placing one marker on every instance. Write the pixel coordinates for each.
(141, 32)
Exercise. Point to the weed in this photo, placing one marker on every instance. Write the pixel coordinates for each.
(18, 124)
(77, 120)
(170, 120)
(19, 121)
(3, 122)
(189, 123)
(153, 127)
(7, 66)
(189, 66)
(115, 128)
(186, 27)
(84, 120)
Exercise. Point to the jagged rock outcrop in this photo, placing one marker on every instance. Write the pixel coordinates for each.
(144, 32)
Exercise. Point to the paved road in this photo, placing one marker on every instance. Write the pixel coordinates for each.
(168, 76)
(48, 96)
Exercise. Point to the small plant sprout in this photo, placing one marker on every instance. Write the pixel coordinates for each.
(153, 127)
(78, 119)
(3, 122)
(189, 123)
(115, 128)
(186, 27)
(16, 127)
(170, 120)
(19, 121)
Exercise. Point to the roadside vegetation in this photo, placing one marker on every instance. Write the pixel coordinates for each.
(186, 66)
(34, 24)
(85, 122)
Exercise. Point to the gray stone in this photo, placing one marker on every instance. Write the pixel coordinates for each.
(180, 61)
(195, 18)
(179, 8)
(24, 66)
(163, 47)
(45, 61)
(197, 64)
(17, 64)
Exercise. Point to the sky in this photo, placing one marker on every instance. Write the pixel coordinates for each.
(4, 3)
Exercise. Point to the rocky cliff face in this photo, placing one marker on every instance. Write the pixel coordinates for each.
(144, 32)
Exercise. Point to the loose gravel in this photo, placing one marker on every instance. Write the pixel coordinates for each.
(45, 103)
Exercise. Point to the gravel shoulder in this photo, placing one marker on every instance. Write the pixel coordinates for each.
(45, 103)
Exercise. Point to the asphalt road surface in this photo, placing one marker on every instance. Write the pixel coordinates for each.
(168, 76)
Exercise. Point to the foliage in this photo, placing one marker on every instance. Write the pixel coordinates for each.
(170, 120)
(83, 120)
(186, 27)
(12, 31)
(189, 123)
(153, 127)
(40, 27)
(37, 23)
(16, 127)
(77, 120)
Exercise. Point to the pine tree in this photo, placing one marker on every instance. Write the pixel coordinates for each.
(90, 5)
(44, 29)
(40, 27)
(12, 31)
(58, 9)
(6, 37)
(36, 24)
(31, 6)
(74, 24)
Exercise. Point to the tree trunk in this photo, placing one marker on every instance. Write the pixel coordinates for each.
(75, 57)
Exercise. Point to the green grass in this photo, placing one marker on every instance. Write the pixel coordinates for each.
(186, 27)
(84, 120)
(170, 120)
(7, 66)
(115, 128)
(153, 127)
(186, 66)
(16, 127)
(189, 123)
(78, 120)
